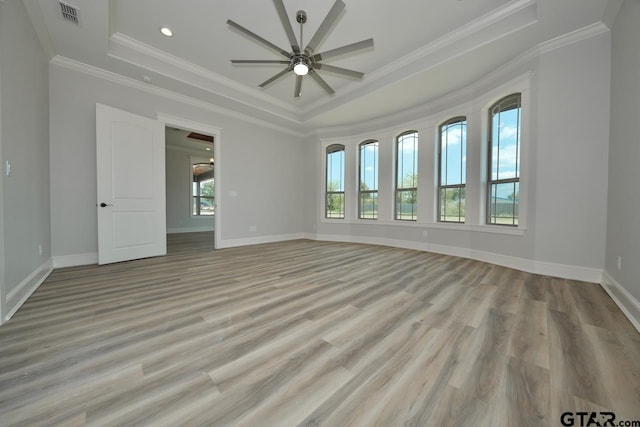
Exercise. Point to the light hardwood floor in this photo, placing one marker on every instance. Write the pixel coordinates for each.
(307, 333)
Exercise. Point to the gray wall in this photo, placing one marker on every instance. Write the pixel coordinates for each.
(260, 167)
(572, 140)
(178, 170)
(25, 144)
(623, 226)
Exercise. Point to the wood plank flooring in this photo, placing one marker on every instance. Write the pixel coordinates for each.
(305, 333)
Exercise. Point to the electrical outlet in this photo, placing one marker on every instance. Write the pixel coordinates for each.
(40, 250)
(619, 263)
(7, 168)
(425, 233)
(253, 228)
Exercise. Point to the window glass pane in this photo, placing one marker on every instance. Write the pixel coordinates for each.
(504, 168)
(369, 205)
(495, 145)
(406, 207)
(452, 204)
(453, 151)
(207, 194)
(335, 171)
(505, 141)
(369, 166)
(407, 167)
(202, 189)
(335, 205)
(503, 204)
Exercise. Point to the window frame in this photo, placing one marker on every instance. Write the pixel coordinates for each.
(370, 192)
(192, 162)
(330, 149)
(451, 121)
(397, 188)
(508, 99)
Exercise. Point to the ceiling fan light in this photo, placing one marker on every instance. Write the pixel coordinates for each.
(301, 68)
(166, 31)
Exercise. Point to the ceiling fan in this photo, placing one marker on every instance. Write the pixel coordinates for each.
(303, 62)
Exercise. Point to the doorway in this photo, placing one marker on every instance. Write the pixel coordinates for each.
(192, 183)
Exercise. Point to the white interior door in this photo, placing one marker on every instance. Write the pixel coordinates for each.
(131, 186)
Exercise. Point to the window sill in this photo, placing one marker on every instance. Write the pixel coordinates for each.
(477, 228)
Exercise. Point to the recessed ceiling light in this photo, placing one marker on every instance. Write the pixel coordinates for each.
(166, 31)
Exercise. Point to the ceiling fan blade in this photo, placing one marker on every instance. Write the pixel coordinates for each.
(276, 77)
(298, 90)
(284, 18)
(323, 29)
(257, 37)
(339, 70)
(321, 82)
(344, 49)
(259, 61)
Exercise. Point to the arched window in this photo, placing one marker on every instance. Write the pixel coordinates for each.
(504, 161)
(452, 166)
(334, 200)
(368, 181)
(407, 176)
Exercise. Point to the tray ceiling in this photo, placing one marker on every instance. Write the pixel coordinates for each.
(423, 49)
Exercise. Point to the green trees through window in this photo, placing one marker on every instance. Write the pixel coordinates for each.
(334, 200)
(352, 171)
(407, 176)
(452, 162)
(202, 190)
(368, 188)
(504, 161)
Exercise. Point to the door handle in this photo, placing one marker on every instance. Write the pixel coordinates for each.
(104, 205)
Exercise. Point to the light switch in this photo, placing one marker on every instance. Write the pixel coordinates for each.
(7, 168)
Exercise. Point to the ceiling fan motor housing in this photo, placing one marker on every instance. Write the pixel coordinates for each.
(301, 16)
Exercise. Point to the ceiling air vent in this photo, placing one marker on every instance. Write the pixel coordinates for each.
(69, 13)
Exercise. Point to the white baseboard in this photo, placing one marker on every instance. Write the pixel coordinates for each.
(232, 243)
(23, 291)
(573, 272)
(531, 266)
(623, 299)
(75, 260)
(189, 230)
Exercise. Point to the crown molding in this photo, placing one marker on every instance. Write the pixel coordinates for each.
(481, 86)
(573, 37)
(512, 17)
(100, 73)
(185, 71)
(460, 96)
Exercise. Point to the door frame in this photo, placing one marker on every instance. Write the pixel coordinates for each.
(216, 132)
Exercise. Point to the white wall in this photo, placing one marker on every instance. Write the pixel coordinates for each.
(623, 226)
(179, 178)
(566, 171)
(24, 127)
(260, 167)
